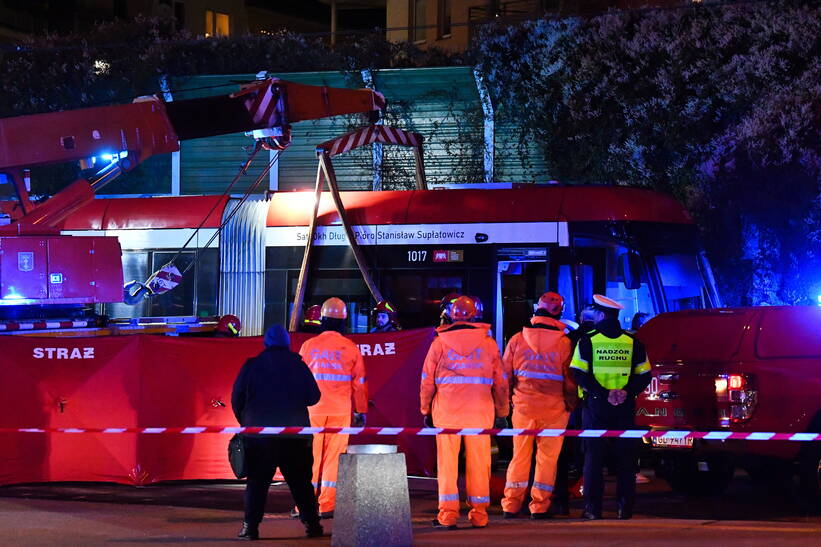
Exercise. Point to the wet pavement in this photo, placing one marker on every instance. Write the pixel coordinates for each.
(209, 513)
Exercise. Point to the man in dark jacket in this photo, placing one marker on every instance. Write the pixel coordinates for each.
(274, 389)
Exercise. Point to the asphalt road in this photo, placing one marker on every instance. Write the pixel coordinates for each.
(210, 514)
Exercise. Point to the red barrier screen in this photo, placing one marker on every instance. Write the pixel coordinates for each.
(156, 381)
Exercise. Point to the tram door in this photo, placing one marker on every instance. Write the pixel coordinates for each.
(520, 282)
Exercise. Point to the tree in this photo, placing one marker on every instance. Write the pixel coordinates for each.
(717, 105)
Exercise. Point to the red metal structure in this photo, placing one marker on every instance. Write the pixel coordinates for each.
(36, 266)
(743, 369)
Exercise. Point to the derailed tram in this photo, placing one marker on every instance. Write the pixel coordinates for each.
(504, 246)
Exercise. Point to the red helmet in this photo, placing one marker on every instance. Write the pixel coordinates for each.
(229, 325)
(335, 308)
(387, 308)
(552, 303)
(313, 315)
(480, 308)
(447, 300)
(463, 309)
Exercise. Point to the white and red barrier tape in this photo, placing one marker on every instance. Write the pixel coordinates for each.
(404, 431)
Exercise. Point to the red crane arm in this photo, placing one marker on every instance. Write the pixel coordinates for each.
(148, 127)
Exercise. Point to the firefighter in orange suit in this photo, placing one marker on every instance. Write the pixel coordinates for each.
(537, 361)
(339, 371)
(463, 386)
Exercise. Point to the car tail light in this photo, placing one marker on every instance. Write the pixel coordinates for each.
(736, 398)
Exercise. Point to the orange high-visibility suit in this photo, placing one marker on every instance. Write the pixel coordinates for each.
(463, 386)
(537, 361)
(339, 371)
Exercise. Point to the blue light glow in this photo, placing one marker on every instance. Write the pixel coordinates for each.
(14, 299)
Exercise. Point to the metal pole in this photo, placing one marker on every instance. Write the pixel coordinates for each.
(306, 258)
(328, 168)
(421, 183)
(333, 22)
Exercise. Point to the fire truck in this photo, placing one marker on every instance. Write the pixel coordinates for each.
(741, 369)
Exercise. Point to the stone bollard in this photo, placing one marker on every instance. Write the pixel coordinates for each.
(372, 502)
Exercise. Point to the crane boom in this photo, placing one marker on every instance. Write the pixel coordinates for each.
(35, 260)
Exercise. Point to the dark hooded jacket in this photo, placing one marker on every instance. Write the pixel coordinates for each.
(275, 388)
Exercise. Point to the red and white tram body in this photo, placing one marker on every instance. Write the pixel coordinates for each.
(505, 246)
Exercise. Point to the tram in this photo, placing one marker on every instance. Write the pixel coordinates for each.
(505, 246)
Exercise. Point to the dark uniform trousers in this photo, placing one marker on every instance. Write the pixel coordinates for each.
(571, 456)
(595, 415)
(294, 457)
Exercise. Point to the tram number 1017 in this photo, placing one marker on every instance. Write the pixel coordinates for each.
(417, 256)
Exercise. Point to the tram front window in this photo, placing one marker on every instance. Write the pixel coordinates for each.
(592, 267)
(634, 300)
(681, 281)
(345, 284)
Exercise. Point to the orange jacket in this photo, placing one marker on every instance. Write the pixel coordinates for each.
(463, 383)
(339, 371)
(537, 360)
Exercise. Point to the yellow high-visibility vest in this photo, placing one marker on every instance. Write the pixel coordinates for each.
(611, 360)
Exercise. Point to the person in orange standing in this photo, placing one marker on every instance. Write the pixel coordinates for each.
(339, 371)
(463, 386)
(537, 361)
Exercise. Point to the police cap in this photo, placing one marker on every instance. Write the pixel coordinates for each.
(602, 303)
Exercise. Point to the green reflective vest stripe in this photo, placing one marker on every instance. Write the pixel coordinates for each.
(612, 360)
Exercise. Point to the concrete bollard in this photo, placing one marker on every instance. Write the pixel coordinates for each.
(372, 501)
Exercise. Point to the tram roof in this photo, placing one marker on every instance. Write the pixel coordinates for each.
(532, 204)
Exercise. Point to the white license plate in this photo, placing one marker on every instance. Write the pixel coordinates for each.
(672, 442)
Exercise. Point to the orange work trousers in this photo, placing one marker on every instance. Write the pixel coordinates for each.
(477, 468)
(327, 449)
(518, 472)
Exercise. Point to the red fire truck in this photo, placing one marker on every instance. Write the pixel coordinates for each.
(743, 369)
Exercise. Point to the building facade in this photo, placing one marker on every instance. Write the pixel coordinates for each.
(19, 18)
(450, 24)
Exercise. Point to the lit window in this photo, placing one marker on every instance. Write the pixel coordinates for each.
(217, 24)
(223, 26)
(418, 32)
(443, 22)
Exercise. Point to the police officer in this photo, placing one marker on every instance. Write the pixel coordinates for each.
(612, 367)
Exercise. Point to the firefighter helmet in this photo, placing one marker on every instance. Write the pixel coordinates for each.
(387, 308)
(335, 308)
(463, 309)
(313, 315)
(480, 308)
(447, 300)
(228, 325)
(552, 303)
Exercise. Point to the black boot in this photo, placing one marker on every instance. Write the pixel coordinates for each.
(590, 515)
(248, 532)
(625, 511)
(314, 530)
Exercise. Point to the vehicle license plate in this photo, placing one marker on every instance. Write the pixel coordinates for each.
(670, 442)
